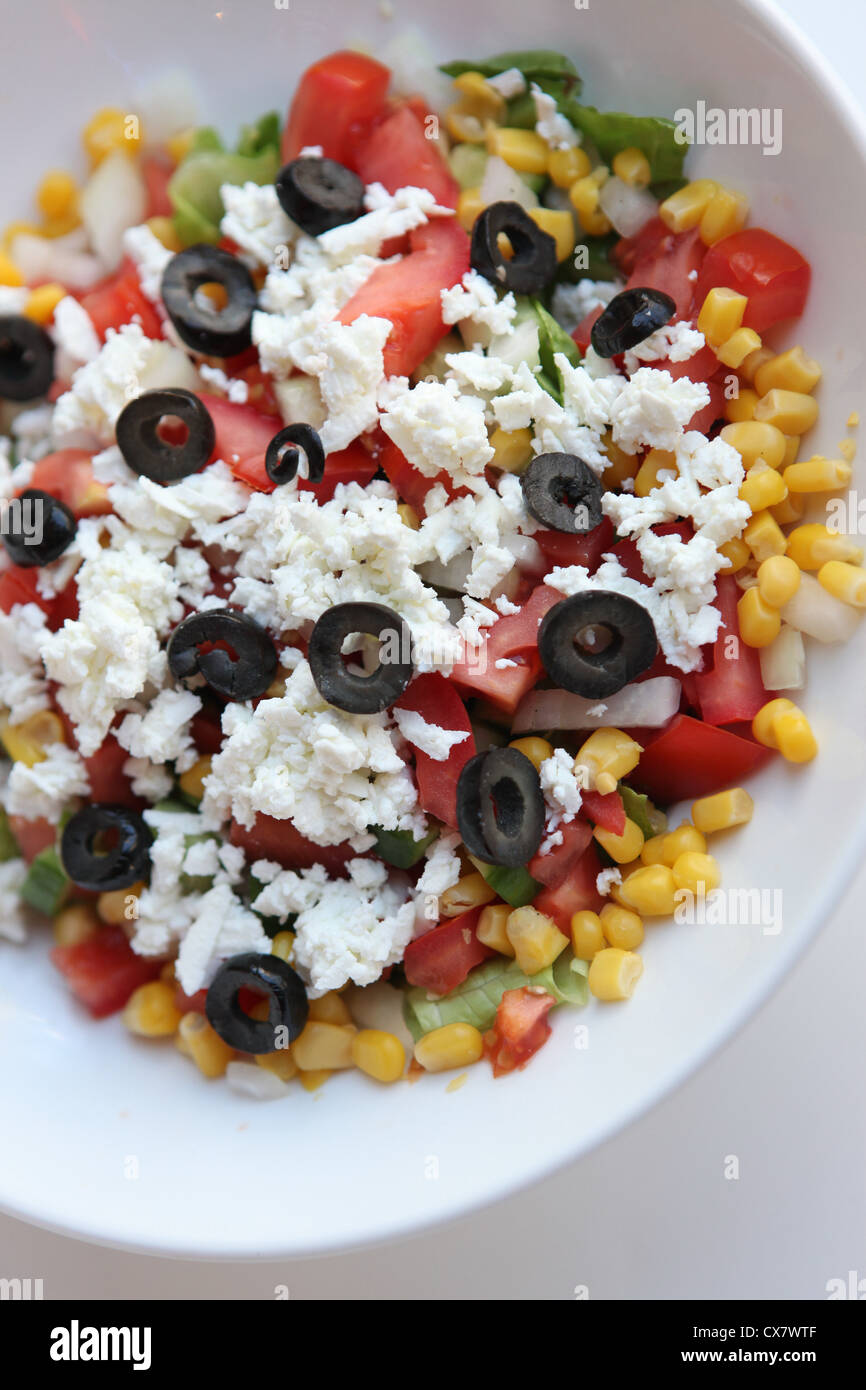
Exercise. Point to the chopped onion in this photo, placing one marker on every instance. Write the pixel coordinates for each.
(783, 662)
(248, 1079)
(300, 401)
(643, 704)
(167, 367)
(114, 198)
(813, 611)
(502, 184)
(452, 575)
(626, 207)
(42, 258)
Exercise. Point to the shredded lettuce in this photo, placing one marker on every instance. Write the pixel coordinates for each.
(640, 809)
(534, 63)
(194, 187)
(612, 131)
(552, 338)
(399, 847)
(478, 998)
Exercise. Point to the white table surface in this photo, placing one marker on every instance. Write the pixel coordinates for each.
(651, 1214)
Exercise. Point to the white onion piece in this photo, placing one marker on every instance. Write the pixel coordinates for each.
(626, 207)
(42, 258)
(528, 554)
(644, 704)
(451, 575)
(502, 184)
(300, 401)
(813, 611)
(783, 662)
(169, 367)
(248, 1079)
(114, 198)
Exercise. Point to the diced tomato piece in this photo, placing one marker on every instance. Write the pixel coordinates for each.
(103, 971)
(770, 272)
(574, 894)
(626, 551)
(108, 781)
(519, 1030)
(206, 732)
(397, 153)
(512, 638)
(352, 465)
(668, 269)
(157, 170)
(550, 869)
(441, 959)
(32, 836)
(242, 434)
(68, 475)
(606, 811)
(704, 419)
(190, 1003)
(732, 691)
(437, 701)
(275, 839)
(333, 101)
(408, 292)
(118, 300)
(690, 759)
(410, 483)
(18, 585)
(561, 549)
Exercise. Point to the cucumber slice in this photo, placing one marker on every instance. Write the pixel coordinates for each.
(468, 163)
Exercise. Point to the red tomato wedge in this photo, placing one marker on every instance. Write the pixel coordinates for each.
(732, 692)
(519, 1029)
(18, 587)
(108, 781)
(190, 1003)
(352, 465)
(659, 259)
(512, 638)
(103, 971)
(551, 869)
(334, 100)
(398, 154)
(68, 476)
(32, 836)
(436, 700)
(770, 272)
(279, 840)
(242, 434)
(441, 959)
(119, 300)
(157, 170)
(691, 759)
(408, 292)
(606, 811)
(574, 894)
(561, 549)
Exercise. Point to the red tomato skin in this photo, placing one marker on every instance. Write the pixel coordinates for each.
(190, 1003)
(437, 701)
(441, 959)
(519, 1030)
(279, 840)
(206, 733)
(576, 893)
(32, 836)
(732, 690)
(68, 475)
(157, 170)
(605, 811)
(397, 153)
(335, 98)
(514, 637)
(242, 432)
(770, 272)
(553, 868)
(104, 971)
(563, 550)
(108, 781)
(689, 759)
(352, 465)
(412, 485)
(118, 300)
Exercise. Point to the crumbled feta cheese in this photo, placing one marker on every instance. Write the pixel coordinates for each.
(571, 303)
(550, 842)
(127, 364)
(431, 739)
(652, 409)
(13, 913)
(221, 927)
(676, 341)
(255, 221)
(163, 732)
(150, 258)
(505, 606)
(562, 792)
(43, 791)
(504, 662)
(442, 868)
(550, 124)
(235, 388)
(75, 337)
(440, 430)
(510, 83)
(151, 781)
(607, 879)
(557, 428)
(487, 524)
(476, 300)
(312, 152)
(597, 711)
(23, 690)
(349, 364)
(388, 215)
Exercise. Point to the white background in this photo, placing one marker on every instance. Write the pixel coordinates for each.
(651, 1214)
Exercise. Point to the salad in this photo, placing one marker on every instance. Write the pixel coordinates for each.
(404, 508)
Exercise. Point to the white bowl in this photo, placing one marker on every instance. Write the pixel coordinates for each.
(123, 1143)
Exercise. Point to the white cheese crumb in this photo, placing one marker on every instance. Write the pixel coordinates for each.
(44, 790)
(439, 429)
(562, 791)
(75, 337)
(510, 83)
(235, 388)
(433, 740)
(255, 221)
(163, 732)
(150, 258)
(607, 879)
(13, 913)
(23, 690)
(550, 124)
(476, 300)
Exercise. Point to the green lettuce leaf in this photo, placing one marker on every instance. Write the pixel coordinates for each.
(635, 804)
(534, 63)
(194, 187)
(612, 131)
(552, 338)
(399, 847)
(478, 998)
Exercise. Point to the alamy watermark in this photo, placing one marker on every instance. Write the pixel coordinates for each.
(24, 519)
(741, 125)
(730, 907)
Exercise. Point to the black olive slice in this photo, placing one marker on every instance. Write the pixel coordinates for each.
(200, 323)
(144, 449)
(278, 982)
(319, 194)
(243, 676)
(631, 316)
(500, 807)
(37, 528)
(282, 456)
(124, 859)
(26, 358)
(596, 642)
(562, 492)
(533, 264)
(341, 686)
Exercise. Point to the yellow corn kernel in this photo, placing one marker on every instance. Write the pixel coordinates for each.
(811, 546)
(42, 302)
(472, 890)
(378, 1054)
(536, 939)
(60, 226)
(723, 810)
(523, 150)
(164, 230)
(191, 782)
(686, 839)
(734, 350)
(792, 448)
(789, 371)
(613, 974)
(748, 370)
(655, 462)
(283, 945)
(281, 1063)
(789, 511)
(721, 314)
(26, 742)
(622, 927)
(455, 1045)
(116, 906)
(622, 848)
(726, 213)
(633, 167)
(111, 129)
(649, 891)
(620, 464)
(793, 412)
(479, 96)
(558, 224)
(179, 145)
(409, 516)
(512, 449)
(196, 1039)
(845, 582)
(764, 536)
(9, 272)
(465, 125)
(764, 721)
(470, 206)
(565, 167)
(583, 195)
(848, 449)
(794, 737)
(537, 750)
(330, 1008)
(57, 194)
(653, 851)
(778, 580)
(759, 623)
(491, 929)
(691, 870)
(324, 1046)
(685, 208)
(762, 487)
(737, 554)
(817, 475)
(587, 937)
(742, 406)
(312, 1080)
(608, 754)
(74, 924)
(151, 1011)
